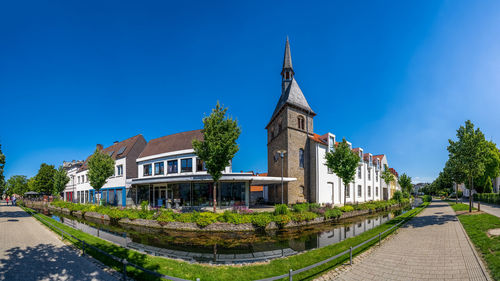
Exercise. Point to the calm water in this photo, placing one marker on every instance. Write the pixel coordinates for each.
(235, 247)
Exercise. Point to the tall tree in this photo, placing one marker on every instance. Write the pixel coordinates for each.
(469, 153)
(405, 183)
(44, 179)
(219, 145)
(17, 185)
(60, 180)
(101, 167)
(452, 168)
(343, 162)
(2, 166)
(491, 167)
(387, 176)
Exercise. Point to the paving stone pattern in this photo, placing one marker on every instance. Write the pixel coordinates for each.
(29, 251)
(431, 246)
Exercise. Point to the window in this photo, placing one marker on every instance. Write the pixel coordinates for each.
(369, 191)
(172, 167)
(359, 172)
(348, 191)
(287, 75)
(331, 144)
(369, 174)
(330, 171)
(119, 170)
(159, 168)
(186, 165)
(87, 176)
(376, 176)
(376, 191)
(301, 122)
(200, 165)
(359, 190)
(301, 158)
(147, 170)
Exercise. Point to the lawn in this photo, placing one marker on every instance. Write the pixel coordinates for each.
(192, 271)
(459, 206)
(477, 227)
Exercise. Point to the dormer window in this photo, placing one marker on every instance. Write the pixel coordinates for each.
(301, 122)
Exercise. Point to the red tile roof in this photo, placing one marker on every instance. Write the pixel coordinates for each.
(317, 138)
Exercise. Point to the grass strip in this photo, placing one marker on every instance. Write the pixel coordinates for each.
(459, 206)
(477, 226)
(191, 271)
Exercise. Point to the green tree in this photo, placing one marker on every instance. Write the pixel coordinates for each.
(343, 162)
(219, 145)
(101, 167)
(60, 180)
(405, 183)
(17, 185)
(491, 167)
(456, 175)
(469, 153)
(2, 166)
(488, 186)
(44, 179)
(31, 184)
(387, 176)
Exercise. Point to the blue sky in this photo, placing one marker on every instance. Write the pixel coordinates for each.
(394, 77)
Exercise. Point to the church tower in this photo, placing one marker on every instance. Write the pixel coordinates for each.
(288, 130)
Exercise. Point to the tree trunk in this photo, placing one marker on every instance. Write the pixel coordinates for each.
(470, 196)
(215, 196)
(345, 193)
(456, 193)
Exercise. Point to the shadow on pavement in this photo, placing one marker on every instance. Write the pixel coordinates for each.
(47, 262)
(14, 214)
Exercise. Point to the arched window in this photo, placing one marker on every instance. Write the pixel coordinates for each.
(301, 122)
(301, 158)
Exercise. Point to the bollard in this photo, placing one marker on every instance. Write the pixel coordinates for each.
(379, 237)
(62, 235)
(124, 261)
(197, 279)
(290, 276)
(83, 247)
(350, 255)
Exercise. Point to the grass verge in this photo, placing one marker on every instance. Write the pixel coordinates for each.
(186, 270)
(477, 227)
(459, 206)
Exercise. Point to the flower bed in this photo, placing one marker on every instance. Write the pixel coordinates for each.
(236, 220)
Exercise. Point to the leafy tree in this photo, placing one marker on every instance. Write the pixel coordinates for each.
(44, 179)
(469, 153)
(387, 176)
(2, 166)
(343, 162)
(219, 145)
(31, 184)
(405, 183)
(491, 165)
(101, 167)
(488, 186)
(456, 175)
(60, 180)
(17, 185)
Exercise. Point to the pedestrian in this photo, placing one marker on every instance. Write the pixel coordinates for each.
(7, 199)
(13, 200)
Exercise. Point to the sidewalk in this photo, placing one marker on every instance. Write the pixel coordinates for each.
(431, 246)
(491, 209)
(29, 251)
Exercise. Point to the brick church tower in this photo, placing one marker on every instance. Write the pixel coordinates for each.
(288, 130)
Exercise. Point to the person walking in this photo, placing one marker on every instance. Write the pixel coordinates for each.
(7, 199)
(13, 200)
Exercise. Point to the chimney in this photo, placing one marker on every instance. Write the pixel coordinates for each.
(115, 142)
(99, 147)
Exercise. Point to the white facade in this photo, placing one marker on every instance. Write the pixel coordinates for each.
(329, 189)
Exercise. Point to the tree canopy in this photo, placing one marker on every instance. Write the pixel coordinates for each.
(405, 183)
(219, 145)
(17, 184)
(101, 167)
(386, 175)
(343, 162)
(60, 180)
(44, 179)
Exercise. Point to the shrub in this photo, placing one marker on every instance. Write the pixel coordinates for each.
(281, 209)
(166, 216)
(261, 219)
(234, 218)
(332, 213)
(347, 208)
(303, 216)
(282, 220)
(406, 194)
(144, 206)
(398, 195)
(427, 198)
(206, 218)
(301, 208)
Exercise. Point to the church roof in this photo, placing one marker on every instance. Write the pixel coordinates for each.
(287, 60)
(293, 96)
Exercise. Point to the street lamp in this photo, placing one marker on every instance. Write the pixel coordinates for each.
(282, 155)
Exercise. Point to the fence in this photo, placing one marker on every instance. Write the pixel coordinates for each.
(288, 275)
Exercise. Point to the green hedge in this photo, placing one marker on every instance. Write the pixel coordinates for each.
(493, 198)
(282, 214)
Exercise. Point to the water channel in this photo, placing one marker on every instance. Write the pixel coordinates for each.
(227, 248)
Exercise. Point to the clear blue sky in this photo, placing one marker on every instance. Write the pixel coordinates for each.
(394, 77)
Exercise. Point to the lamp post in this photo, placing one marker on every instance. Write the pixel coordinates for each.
(282, 155)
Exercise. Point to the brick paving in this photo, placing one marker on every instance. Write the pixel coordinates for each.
(29, 251)
(431, 246)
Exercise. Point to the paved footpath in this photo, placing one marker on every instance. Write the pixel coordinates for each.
(431, 246)
(29, 251)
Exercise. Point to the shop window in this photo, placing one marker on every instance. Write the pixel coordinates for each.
(159, 168)
(172, 167)
(186, 165)
(147, 170)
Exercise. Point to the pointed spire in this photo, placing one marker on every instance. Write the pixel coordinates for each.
(287, 60)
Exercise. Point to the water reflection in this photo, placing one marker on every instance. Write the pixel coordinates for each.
(234, 247)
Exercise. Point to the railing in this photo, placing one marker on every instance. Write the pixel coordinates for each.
(291, 272)
(288, 275)
(84, 246)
